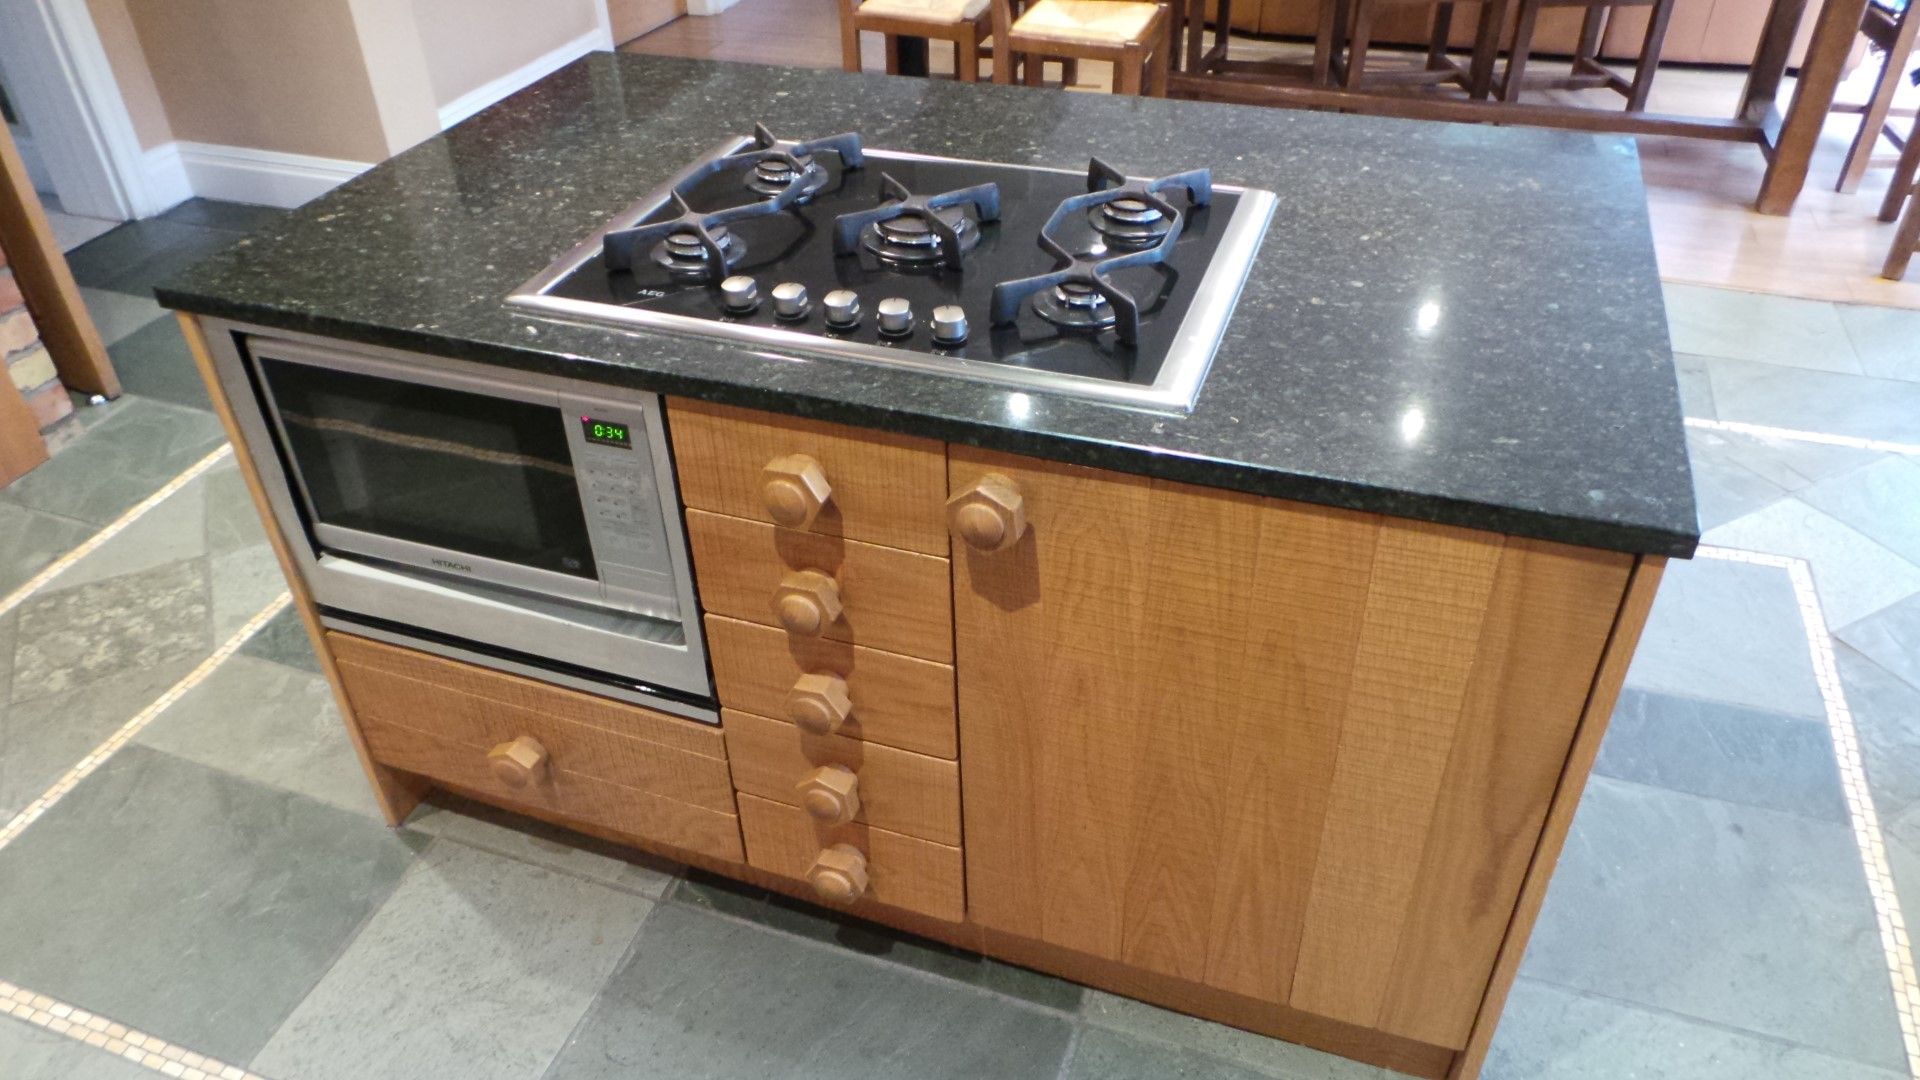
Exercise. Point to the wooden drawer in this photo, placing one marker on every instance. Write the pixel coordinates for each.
(896, 790)
(884, 489)
(647, 773)
(902, 872)
(893, 600)
(897, 700)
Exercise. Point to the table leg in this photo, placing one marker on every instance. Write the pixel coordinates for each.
(1770, 58)
(1812, 98)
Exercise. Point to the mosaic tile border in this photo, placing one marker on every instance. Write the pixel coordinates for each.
(97, 1031)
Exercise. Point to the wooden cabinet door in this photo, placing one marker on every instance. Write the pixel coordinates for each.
(1297, 753)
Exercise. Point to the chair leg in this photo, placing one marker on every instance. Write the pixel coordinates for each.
(1902, 184)
(1324, 43)
(1587, 45)
(1069, 72)
(1656, 40)
(893, 54)
(1522, 44)
(1005, 59)
(1904, 241)
(1158, 63)
(1034, 68)
(1437, 41)
(966, 54)
(1874, 117)
(1357, 43)
(1128, 68)
(849, 45)
(1486, 48)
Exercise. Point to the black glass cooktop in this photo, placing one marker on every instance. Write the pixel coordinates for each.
(932, 263)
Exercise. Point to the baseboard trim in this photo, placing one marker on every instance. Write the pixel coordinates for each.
(525, 75)
(709, 7)
(262, 177)
(165, 177)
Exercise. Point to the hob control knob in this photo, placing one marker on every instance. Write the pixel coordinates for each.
(740, 293)
(896, 317)
(843, 308)
(790, 300)
(949, 324)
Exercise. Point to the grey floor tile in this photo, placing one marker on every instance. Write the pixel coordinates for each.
(154, 362)
(33, 1053)
(9, 633)
(171, 531)
(1261, 1055)
(271, 724)
(1729, 632)
(189, 903)
(118, 462)
(1551, 1033)
(477, 967)
(1724, 751)
(705, 997)
(1854, 575)
(463, 821)
(72, 230)
(1756, 326)
(284, 640)
(43, 737)
(1886, 339)
(1886, 716)
(1109, 1055)
(1890, 637)
(232, 216)
(136, 255)
(810, 921)
(1816, 401)
(1790, 463)
(118, 314)
(1881, 501)
(1723, 488)
(243, 583)
(1696, 385)
(30, 540)
(1749, 918)
(232, 522)
(103, 629)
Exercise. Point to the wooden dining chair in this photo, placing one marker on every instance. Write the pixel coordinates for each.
(966, 23)
(1132, 35)
(1889, 25)
(1346, 32)
(1902, 193)
(1588, 72)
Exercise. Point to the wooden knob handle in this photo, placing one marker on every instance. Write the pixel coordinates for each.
(818, 704)
(831, 793)
(990, 515)
(807, 602)
(794, 490)
(519, 762)
(839, 874)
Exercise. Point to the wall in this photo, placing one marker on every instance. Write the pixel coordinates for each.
(469, 43)
(122, 44)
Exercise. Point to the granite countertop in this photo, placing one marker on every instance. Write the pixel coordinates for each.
(1455, 323)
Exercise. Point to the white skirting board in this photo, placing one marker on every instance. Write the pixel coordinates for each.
(523, 76)
(181, 170)
(709, 7)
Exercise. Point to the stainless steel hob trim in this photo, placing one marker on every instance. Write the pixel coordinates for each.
(1175, 389)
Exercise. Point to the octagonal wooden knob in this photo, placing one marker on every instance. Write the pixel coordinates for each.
(831, 794)
(807, 602)
(990, 515)
(519, 762)
(818, 704)
(839, 874)
(794, 490)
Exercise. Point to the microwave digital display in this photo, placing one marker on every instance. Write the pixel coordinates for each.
(606, 432)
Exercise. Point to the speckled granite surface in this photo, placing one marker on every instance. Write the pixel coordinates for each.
(1460, 324)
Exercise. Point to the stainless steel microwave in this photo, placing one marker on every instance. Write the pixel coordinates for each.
(513, 518)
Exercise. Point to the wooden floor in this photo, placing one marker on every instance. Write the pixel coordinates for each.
(1698, 192)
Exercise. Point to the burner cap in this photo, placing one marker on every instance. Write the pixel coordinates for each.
(1075, 306)
(1130, 222)
(682, 254)
(773, 175)
(908, 239)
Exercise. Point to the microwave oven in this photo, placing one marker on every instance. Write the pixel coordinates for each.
(510, 518)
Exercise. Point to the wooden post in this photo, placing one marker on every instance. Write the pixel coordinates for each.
(68, 331)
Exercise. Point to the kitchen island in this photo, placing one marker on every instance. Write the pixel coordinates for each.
(1275, 711)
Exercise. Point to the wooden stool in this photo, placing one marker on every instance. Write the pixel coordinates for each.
(1134, 36)
(1335, 19)
(1891, 29)
(966, 23)
(1588, 71)
(1901, 191)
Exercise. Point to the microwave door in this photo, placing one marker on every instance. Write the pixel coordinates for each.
(441, 472)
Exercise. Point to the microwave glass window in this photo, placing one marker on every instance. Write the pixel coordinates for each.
(471, 473)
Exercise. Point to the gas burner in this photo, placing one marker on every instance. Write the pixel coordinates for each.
(1129, 223)
(1077, 294)
(918, 230)
(779, 165)
(686, 255)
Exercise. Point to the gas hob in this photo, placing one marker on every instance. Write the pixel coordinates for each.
(1079, 282)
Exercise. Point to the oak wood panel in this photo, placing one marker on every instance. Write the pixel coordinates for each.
(887, 489)
(482, 723)
(47, 282)
(397, 793)
(1605, 693)
(21, 448)
(895, 600)
(900, 791)
(904, 872)
(1147, 747)
(524, 696)
(897, 700)
(572, 794)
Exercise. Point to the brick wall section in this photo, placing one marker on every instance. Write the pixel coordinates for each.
(26, 360)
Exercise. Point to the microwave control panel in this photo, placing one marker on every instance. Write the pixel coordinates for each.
(626, 521)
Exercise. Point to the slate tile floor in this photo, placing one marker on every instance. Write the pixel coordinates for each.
(224, 882)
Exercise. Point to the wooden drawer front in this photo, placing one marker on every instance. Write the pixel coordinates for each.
(897, 601)
(898, 791)
(902, 872)
(885, 489)
(625, 810)
(897, 700)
